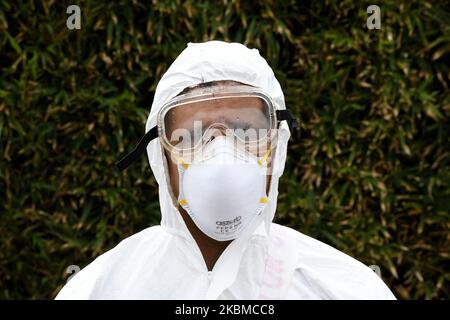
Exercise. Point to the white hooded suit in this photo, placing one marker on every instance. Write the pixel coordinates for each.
(268, 261)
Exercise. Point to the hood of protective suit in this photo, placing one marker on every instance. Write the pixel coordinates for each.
(205, 62)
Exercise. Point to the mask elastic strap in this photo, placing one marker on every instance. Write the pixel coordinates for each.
(265, 156)
(134, 155)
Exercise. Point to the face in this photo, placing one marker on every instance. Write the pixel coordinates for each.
(206, 112)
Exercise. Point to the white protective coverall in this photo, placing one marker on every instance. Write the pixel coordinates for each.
(268, 261)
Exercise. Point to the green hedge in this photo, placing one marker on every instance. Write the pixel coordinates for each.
(369, 173)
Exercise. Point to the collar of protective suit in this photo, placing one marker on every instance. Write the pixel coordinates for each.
(204, 62)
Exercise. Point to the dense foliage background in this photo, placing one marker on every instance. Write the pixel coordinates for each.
(369, 173)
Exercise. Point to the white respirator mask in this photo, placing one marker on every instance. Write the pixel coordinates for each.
(225, 191)
(221, 187)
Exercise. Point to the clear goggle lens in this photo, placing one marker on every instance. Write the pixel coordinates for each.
(188, 126)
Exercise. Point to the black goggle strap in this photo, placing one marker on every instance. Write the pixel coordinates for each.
(287, 115)
(134, 155)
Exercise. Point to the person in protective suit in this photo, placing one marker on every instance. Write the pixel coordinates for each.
(216, 139)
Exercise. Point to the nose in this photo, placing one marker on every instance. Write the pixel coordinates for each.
(213, 131)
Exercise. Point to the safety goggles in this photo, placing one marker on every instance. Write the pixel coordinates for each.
(188, 122)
